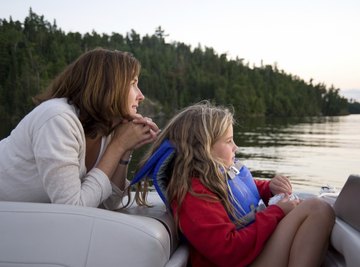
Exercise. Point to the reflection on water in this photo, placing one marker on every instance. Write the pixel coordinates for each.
(311, 151)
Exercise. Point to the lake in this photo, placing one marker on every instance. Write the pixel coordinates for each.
(312, 151)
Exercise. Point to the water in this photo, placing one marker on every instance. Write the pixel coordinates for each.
(313, 151)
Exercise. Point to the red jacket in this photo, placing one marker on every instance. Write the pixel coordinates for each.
(213, 237)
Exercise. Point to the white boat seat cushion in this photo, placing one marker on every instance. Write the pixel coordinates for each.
(345, 237)
(49, 235)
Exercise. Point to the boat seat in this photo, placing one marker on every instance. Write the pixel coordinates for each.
(158, 211)
(49, 235)
(345, 236)
(346, 205)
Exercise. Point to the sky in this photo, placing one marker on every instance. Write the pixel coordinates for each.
(312, 39)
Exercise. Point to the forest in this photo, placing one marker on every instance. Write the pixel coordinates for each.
(173, 75)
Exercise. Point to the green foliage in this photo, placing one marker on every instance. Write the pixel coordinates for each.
(354, 107)
(173, 75)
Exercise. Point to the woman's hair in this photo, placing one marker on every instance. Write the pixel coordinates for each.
(97, 84)
(193, 132)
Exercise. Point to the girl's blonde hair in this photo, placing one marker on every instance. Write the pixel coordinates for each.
(193, 132)
(98, 84)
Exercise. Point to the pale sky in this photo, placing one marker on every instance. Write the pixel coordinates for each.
(318, 39)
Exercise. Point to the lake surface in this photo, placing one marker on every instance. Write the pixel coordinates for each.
(313, 151)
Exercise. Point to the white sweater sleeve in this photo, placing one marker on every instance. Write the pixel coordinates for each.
(59, 156)
(117, 198)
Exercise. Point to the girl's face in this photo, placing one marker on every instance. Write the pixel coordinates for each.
(135, 96)
(224, 149)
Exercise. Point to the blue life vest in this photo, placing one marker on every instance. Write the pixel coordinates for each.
(243, 193)
(242, 189)
(156, 169)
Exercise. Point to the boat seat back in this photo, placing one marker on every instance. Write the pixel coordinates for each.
(49, 235)
(345, 236)
(158, 169)
(347, 203)
(157, 211)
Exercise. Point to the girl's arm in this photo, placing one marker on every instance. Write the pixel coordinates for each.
(268, 188)
(263, 187)
(207, 226)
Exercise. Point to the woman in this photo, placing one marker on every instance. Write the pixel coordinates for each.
(288, 233)
(74, 147)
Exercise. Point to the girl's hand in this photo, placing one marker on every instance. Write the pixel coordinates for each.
(287, 205)
(280, 184)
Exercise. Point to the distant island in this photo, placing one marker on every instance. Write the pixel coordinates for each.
(351, 94)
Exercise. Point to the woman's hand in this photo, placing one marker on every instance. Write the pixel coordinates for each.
(280, 184)
(132, 134)
(153, 129)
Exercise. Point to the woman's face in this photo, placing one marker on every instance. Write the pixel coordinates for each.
(224, 149)
(135, 97)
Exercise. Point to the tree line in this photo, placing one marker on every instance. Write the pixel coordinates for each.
(173, 75)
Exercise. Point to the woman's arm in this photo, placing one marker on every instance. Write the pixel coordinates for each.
(127, 137)
(59, 152)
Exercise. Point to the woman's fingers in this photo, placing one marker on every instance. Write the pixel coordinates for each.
(137, 133)
(146, 121)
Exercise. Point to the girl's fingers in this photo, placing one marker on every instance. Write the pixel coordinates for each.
(281, 184)
(284, 183)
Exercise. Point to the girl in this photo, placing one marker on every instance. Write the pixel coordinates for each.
(289, 233)
(74, 147)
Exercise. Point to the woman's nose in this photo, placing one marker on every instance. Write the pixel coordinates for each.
(140, 95)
